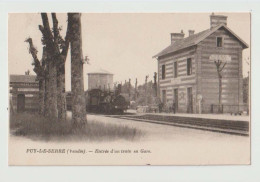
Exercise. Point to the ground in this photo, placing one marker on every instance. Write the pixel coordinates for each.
(159, 145)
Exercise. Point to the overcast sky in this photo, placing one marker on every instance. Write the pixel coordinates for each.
(122, 44)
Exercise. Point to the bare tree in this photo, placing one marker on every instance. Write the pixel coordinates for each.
(155, 84)
(61, 47)
(27, 72)
(220, 66)
(77, 84)
(129, 89)
(56, 51)
(47, 41)
(146, 88)
(135, 89)
(40, 72)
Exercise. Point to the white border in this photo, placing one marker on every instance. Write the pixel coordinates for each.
(129, 174)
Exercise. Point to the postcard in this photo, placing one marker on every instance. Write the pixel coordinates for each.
(129, 89)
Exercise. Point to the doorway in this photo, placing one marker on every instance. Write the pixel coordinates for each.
(190, 100)
(20, 103)
(175, 93)
(164, 97)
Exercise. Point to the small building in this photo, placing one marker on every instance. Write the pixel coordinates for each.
(188, 76)
(100, 79)
(24, 93)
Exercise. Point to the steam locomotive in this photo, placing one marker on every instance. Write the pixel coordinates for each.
(104, 101)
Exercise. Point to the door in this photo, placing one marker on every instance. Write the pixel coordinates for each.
(164, 97)
(20, 103)
(176, 99)
(190, 100)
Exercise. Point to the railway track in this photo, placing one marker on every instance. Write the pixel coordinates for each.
(214, 125)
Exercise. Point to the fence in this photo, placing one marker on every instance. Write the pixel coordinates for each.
(233, 109)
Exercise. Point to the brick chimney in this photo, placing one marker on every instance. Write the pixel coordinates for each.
(176, 36)
(216, 20)
(191, 32)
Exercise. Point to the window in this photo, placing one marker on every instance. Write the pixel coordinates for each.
(163, 71)
(189, 66)
(219, 41)
(175, 69)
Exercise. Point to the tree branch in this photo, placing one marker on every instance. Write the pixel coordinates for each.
(33, 51)
(65, 49)
(38, 69)
(55, 27)
(223, 66)
(46, 31)
(45, 22)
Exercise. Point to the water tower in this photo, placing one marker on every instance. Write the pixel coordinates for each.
(100, 79)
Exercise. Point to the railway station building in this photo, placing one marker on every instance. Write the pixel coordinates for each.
(24, 93)
(188, 75)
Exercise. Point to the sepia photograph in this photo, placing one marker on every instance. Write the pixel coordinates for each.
(129, 88)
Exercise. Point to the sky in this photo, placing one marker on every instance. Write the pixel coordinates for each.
(121, 43)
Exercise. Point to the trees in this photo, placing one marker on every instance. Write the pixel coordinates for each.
(77, 87)
(52, 75)
(57, 49)
(51, 71)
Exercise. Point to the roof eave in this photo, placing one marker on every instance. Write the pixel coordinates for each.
(158, 55)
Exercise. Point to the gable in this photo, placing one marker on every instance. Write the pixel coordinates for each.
(223, 30)
(197, 38)
(229, 40)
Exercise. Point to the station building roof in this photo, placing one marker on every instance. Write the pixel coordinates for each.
(23, 78)
(195, 39)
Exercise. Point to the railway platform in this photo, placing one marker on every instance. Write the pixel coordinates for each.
(230, 124)
(205, 116)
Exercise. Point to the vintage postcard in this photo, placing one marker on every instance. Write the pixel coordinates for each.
(129, 88)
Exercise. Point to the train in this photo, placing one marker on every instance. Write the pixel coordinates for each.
(103, 101)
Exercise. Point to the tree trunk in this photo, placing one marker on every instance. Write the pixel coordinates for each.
(220, 94)
(41, 96)
(61, 59)
(220, 65)
(77, 85)
(146, 77)
(61, 94)
(51, 54)
(53, 111)
(47, 96)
